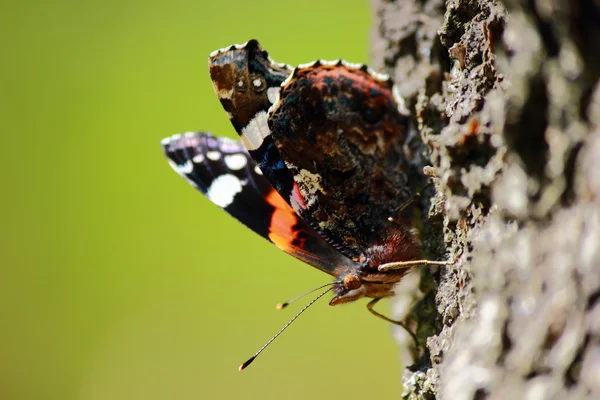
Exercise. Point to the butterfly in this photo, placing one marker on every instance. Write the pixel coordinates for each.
(320, 168)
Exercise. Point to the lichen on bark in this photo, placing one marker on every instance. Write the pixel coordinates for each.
(506, 112)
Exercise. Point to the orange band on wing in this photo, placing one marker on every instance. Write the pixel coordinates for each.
(283, 220)
(292, 235)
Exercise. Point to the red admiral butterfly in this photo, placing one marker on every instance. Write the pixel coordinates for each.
(320, 170)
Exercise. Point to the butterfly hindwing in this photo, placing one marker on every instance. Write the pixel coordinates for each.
(223, 170)
(339, 131)
(328, 137)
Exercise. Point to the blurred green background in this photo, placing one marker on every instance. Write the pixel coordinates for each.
(119, 280)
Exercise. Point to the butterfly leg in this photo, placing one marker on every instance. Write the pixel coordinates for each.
(413, 263)
(370, 306)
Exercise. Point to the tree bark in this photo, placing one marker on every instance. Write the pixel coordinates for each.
(506, 106)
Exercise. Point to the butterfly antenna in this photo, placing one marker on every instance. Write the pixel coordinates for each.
(283, 305)
(249, 361)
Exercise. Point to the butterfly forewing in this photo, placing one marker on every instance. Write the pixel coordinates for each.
(247, 82)
(223, 170)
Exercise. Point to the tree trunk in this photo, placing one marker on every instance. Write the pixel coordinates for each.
(506, 104)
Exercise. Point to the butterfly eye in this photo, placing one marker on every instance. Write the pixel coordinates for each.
(241, 86)
(373, 113)
(258, 83)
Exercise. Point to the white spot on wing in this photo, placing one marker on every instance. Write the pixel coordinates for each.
(307, 65)
(273, 94)
(331, 63)
(351, 65)
(198, 158)
(186, 168)
(400, 100)
(235, 162)
(178, 170)
(256, 131)
(378, 75)
(213, 155)
(257, 83)
(223, 190)
(257, 170)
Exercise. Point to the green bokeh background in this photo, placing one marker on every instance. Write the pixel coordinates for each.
(119, 280)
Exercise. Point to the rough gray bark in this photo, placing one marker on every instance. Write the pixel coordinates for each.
(506, 104)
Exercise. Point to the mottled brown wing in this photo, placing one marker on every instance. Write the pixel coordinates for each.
(339, 131)
(247, 82)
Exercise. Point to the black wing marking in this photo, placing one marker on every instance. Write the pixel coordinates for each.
(223, 170)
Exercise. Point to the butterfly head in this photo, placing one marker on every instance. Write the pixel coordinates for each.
(365, 279)
(354, 286)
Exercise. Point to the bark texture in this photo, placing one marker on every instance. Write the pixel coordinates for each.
(506, 105)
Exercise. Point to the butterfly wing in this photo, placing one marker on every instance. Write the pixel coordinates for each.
(223, 170)
(247, 82)
(339, 131)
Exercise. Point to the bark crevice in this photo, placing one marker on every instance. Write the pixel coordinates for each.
(506, 112)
